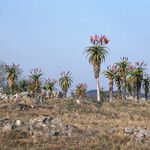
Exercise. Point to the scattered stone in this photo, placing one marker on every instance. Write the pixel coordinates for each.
(140, 137)
(47, 120)
(18, 123)
(7, 127)
(20, 107)
(129, 143)
(16, 96)
(67, 130)
(78, 101)
(41, 126)
(112, 130)
(129, 130)
(57, 122)
(146, 133)
(54, 133)
(23, 94)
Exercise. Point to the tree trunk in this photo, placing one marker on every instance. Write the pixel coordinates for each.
(110, 90)
(10, 85)
(64, 94)
(133, 92)
(137, 93)
(146, 93)
(119, 90)
(96, 75)
(146, 96)
(98, 90)
(124, 88)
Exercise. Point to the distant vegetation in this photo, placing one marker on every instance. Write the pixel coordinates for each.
(130, 79)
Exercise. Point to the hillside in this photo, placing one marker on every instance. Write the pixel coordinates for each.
(63, 124)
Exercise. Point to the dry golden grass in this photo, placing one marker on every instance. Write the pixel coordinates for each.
(102, 126)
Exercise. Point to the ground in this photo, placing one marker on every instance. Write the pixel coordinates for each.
(100, 126)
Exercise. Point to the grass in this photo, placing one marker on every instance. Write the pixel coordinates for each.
(95, 121)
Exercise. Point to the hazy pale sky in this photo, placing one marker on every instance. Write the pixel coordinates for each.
(52, 34)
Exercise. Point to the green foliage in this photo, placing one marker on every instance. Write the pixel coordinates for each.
(23, 85)
(65, 82)
(80, 90)
(35, 83)
(12, 73)
(96, 54)
(110, 72)
(122, 67)
(6, 90)
(50, 84)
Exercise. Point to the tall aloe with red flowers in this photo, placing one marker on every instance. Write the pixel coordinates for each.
(96, 55)
(110, 73)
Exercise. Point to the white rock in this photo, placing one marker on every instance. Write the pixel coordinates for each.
(23, 94)
(18, 122)
(7, 127)
(78, 102)
(16, 96)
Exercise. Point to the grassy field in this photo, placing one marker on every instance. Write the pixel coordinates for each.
(101, 127)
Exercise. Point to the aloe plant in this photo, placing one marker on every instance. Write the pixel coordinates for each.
(96, 55)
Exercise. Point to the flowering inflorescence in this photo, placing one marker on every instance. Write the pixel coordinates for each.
(99, 40)
(112, 68)
(35, 71)
(81, 89)
(68, 73)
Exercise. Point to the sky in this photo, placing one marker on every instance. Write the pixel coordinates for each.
(53, 34)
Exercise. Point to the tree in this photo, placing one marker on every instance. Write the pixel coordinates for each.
(23, 85)
(131, 81)
(35, 83)
(118, 81)
(122, 69)
(96, 55)
(65, 82)
(110, 73)
(2, 75)
(50, 85)
(146, 85)
(80, 90)
(136, 78)
(12, 73)
(138, 73)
